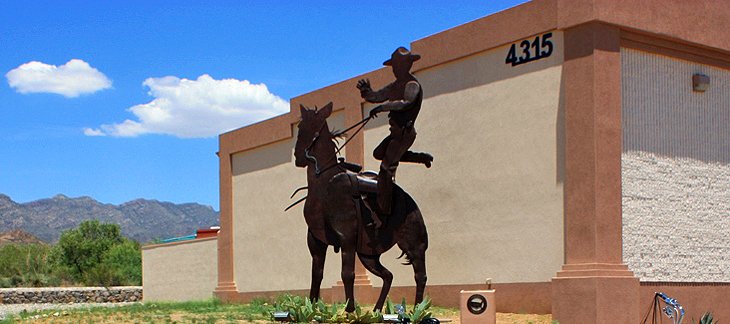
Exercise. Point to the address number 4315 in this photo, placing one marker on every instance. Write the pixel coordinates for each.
(530, 50)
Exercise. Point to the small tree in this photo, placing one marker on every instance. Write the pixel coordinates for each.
(83, 248)
(121, 265)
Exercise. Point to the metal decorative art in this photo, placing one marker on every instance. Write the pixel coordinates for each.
(363, 214)
(671, 308)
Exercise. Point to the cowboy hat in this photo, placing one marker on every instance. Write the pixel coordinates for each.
(402, 54)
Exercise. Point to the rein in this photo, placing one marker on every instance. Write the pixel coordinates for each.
(361, 123)
(317, 170)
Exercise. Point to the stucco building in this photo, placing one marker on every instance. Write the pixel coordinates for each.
(575, 164)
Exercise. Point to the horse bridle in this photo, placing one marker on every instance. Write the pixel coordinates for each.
(317, 170)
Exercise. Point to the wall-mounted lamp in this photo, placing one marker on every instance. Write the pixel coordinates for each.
(281, 317)
(700, 82)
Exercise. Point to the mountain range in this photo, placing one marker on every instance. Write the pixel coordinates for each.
(141, 219)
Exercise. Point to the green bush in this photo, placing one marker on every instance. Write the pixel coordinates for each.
(97, 254)
(120, 266)
(92, 254)
(26, 265)
(126, 261)
(83, 248)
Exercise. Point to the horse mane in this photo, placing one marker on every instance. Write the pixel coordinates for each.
(337, 135)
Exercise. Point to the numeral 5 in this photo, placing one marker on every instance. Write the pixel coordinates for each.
(546, 43)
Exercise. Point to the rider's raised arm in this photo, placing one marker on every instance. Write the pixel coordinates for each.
(410, 95)
(367, 93)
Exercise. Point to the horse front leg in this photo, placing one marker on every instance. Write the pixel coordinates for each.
(318, 251)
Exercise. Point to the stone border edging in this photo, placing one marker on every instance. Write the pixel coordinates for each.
(70, 295)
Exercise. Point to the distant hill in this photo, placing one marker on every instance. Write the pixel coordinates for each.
(18, 237)
(142, 220)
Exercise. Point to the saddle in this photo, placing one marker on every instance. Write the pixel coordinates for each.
(364, 186)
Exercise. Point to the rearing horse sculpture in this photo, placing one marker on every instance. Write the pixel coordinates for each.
(333, 212)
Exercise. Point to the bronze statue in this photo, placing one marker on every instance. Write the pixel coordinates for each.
(334, 212)
(402, 99)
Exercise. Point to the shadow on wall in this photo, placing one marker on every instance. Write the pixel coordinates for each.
(265, 157)
(560, 135)
(278, 153)
(662, 115)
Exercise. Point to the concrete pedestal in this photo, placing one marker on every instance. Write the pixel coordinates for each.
(478, 307)
(595, 296)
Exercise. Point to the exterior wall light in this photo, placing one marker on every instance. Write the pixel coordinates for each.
(282, 317)
(700, 82)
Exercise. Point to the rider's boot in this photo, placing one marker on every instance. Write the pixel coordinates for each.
(417, 157)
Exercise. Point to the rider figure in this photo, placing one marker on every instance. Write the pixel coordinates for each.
(402, 99)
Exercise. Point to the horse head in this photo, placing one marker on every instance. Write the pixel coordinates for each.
(312, 128)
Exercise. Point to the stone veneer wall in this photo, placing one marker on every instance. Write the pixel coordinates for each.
(676, 218)
(70, 295)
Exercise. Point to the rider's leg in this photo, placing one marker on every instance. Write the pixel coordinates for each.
(379, 151)
(409, 136)
(396, 148)
(385, 188)
(417, 157)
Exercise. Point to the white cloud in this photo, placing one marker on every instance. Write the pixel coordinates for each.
(197, 108)
(72, 79)
(93, 132)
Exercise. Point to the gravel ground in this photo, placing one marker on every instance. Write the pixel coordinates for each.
(12, 309)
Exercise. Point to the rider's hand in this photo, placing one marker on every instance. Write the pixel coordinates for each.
(374, 112)
(364, 86)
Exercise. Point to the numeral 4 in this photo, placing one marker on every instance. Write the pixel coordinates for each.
(511, 56)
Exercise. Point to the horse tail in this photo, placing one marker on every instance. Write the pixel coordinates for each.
(408, 258)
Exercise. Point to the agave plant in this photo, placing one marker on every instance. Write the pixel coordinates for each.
(300, 309)
(420, 312)
(707, 319)
(360, 317)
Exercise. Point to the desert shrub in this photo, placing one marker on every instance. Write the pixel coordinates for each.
(96, 254)
(120, 265)
(126, 260)
(91, 254)
(82, 248)
(26, 265)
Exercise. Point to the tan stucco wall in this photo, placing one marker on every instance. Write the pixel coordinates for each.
(493, 200)
(181, 271)
(270, 245)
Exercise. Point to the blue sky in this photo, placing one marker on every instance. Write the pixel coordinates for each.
(120, 100)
